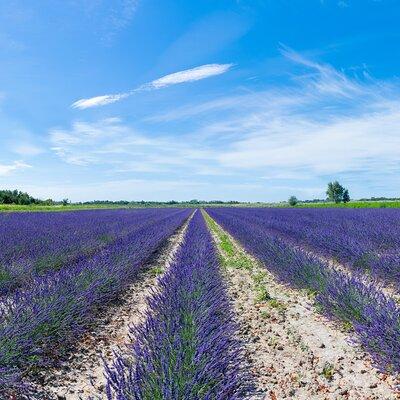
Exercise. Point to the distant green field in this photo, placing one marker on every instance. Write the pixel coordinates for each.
(15, 207)
(73, 207)
(353, 204)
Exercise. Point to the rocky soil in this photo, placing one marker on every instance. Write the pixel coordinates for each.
(292, 351)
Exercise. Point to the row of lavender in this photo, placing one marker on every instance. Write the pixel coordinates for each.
(36, 243)
(375, 317)
(37, 323)
(33, 244)
(186, 349)
(366, 240)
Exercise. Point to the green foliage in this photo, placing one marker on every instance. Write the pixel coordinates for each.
(335, 192)
(293, 201)
(259, 277)
(52, 262)
(17, 197)
(157, 270)
(226, 245)
(265, 314)
(347, 326)
(346, 196)
(274, 303)
(230, 257)
(328, 371)
(5, 275)
(262, 294)
(353, 204)
(106, 238)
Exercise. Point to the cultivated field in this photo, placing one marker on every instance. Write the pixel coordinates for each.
(214, 303)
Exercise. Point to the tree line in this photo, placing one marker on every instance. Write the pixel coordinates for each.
(18, 197)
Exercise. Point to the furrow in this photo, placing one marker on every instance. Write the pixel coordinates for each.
(291, 350)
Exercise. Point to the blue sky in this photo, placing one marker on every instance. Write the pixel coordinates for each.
(253, 100)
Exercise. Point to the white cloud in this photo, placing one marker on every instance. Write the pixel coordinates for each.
(99, 101)
(189, 75)
(340, 124)
(87, 143)
(328, 147)
(320, 124)
(123, 149)
(6, 169)
(325, 78)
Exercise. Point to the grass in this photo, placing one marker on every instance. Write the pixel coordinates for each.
(71, 207)
(156, 271)
(351, 204)
(229, 256)
(328, 371)
(232, 257)
(276, 304)
(262, 294)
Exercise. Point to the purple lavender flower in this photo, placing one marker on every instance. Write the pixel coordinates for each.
(187, 348)
(39, 321)
(374, 316)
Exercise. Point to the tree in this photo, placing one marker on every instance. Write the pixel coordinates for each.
(346, 196)
(17, 197)
(335, 192)
(65, 202)
(293, 201)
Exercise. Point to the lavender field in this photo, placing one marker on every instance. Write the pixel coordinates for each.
(220, 303)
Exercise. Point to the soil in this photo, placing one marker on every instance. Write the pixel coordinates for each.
(292, 351)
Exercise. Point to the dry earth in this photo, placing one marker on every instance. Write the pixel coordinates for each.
(291, 350)
(82, 375)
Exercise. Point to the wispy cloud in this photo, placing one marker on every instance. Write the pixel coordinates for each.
(111, 17)
(124, 150)
(325, 78)
(6, 169)
(321, 123)
(99, 100)
(87, 143)
(189, 75)
(325, 123)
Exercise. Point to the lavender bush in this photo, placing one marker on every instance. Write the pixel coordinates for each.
(33, 244)
(374, 316)
(186, 349)
(37, 323)
(366, 240)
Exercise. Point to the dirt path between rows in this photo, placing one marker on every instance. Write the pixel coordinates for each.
(83, 374)
(292, 351)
